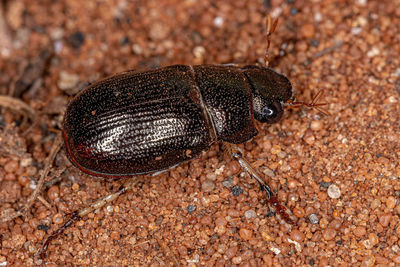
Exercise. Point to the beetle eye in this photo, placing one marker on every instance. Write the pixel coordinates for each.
(270, 113)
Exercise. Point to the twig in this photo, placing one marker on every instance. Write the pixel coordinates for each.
(19, 106)
(328, 49)
(140, 244)
(5, 31)
(5, 217)
(41, 199)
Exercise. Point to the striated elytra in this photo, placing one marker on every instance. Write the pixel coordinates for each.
(143, 122)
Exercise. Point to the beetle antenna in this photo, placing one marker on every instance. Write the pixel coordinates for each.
(270, 26)
(313, 104)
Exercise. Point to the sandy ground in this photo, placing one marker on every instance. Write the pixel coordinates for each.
(338, 174)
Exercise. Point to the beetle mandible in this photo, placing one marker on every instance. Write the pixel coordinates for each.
(142, 122)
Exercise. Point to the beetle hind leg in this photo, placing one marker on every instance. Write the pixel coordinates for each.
(78, 214)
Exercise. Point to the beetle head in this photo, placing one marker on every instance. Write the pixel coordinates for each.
(270, 90)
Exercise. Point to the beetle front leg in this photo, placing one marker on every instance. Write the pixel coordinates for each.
(78, 214)
(280, 209)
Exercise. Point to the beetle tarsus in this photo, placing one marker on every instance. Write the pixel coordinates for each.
(73, 218)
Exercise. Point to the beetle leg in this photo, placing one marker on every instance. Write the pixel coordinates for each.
(281, 210)
(251, 172)
(78, 214)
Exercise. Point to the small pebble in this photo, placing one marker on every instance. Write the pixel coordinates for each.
(268, 259)
(237, 190)
(206, 220)
(376, 203)
(158, 31)
(309, 139)
(323, 223)
(228, 182)
(115, 235)
(335, 224)
(245, 234)
(218, 21)
(381, 260)
(384, 219)
(231, 252)
(333, 191)
(329, 234)
(43, 227)
(249, 214)
(313, 219)
(208, 186)
(16, 241)
(220, 230)
(39, 234)
(76, 39)
(237, 260)
(58, 218)
(67, 81)
(296, 235)
(324, 184)
(34, 222)
(191, 209)
(53, 193)
(396, 259)
(295, 164)
(298, 212)
(276, 149)
(359, 231)
(390, 202)
(221, 221)
(292, 183)
(23, 180)
(267, 236)
(211, 176)
(293, 11)
(234, 167)
(11, 166)
(62, 206)
(316, 125)
(373, 239)
(322, 196)
(307, 30)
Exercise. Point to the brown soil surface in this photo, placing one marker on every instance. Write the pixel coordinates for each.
(338, 174)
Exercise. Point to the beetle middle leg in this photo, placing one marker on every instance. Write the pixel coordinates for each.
(78, 214)
(281, 210)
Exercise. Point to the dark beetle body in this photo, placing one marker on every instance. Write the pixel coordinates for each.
(143, 122)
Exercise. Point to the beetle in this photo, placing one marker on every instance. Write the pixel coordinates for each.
(143, 122)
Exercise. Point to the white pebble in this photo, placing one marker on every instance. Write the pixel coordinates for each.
(250, 214)
(218, 21)
(333, 191)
